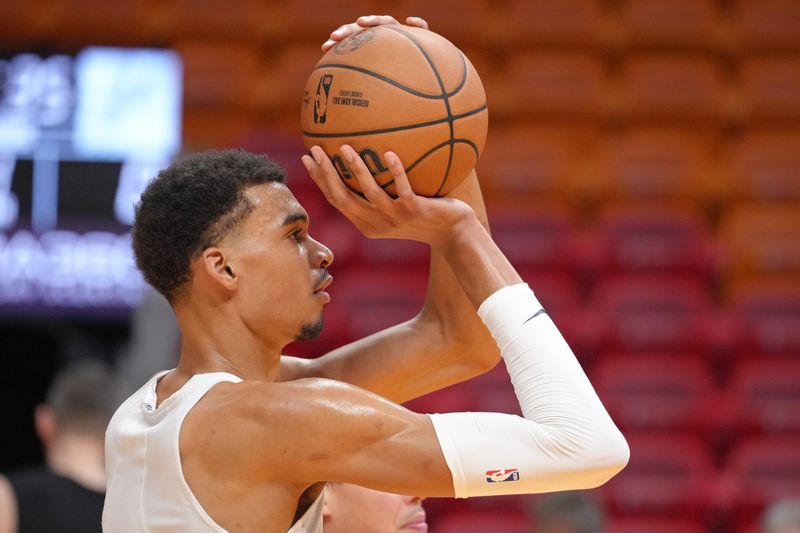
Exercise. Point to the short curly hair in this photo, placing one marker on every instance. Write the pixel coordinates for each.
(192, 205)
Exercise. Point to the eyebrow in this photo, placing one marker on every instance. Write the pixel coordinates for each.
(291, 218)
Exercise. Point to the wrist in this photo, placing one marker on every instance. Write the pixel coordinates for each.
(458, 233)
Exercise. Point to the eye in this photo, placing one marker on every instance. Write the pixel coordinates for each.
(297, 235)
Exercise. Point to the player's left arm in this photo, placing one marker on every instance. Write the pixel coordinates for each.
(444, 344)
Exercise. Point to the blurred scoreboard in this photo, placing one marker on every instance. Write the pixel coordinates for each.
(80, 137)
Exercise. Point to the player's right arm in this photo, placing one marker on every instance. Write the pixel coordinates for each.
(324, 430)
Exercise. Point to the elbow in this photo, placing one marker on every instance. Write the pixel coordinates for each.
(623, 451)
(614, 454)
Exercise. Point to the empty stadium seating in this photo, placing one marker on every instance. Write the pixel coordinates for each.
(647, 237)
(673, 24)
(672, 88)
(758, 471)
(764, 319)
(552, 22)
(672, 392)
(760, 242)
(652, 313)
(764, 166)
(656, 525)
(481, 522)
(372, 299)
(766, 25)
(763, 396)
(669, 474)
(649, 163)
(74, 24)
(770, 88)
(531, 163)
(543, 237)
(200, 19)
(541, 84)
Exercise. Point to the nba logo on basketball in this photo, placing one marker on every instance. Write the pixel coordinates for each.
(500, 476)
(321, 99)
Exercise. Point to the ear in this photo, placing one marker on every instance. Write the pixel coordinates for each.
(217, 266)
(45, 422)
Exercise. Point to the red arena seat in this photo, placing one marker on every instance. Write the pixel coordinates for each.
(767, 24)
(657, 392)
(672, 87)
(765, 167)
(763, 395)
(759, 470)
(771, 89)
(481, 522)
(669, 23)
(759, 241)
(656, 524)
(370, 300)
(653, 238)
(669, 474)
(651, 313)
(765, 318)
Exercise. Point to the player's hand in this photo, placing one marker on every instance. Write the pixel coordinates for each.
(377, 215)
(368, 21)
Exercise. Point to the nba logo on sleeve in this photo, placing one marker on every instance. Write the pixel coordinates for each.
(499, 476)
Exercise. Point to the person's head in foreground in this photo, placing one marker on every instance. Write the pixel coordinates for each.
(567, 512)
(782, 516)
(221, 229)
(355, 509)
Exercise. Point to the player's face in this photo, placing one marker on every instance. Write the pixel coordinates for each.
(281, 270)
(352, 508)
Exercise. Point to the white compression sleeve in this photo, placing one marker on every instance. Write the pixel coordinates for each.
(566, 439)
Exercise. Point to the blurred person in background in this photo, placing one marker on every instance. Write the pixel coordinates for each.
(783, 516)
(567, 512)
(354, 509)
(66, 493)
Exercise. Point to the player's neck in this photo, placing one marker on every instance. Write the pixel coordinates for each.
(223, 343)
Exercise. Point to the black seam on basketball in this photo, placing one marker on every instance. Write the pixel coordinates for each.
(382, 78)
(396, 128)
(445, 99)
(463, 78)
(429, 152)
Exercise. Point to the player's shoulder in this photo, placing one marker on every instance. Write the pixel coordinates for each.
(261, 406)
(266, 422)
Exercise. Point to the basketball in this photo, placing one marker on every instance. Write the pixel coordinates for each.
(402, 89)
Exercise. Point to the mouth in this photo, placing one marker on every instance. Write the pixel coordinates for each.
(326, 281)
(416, 523)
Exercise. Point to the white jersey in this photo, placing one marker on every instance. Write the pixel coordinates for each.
(146, 490)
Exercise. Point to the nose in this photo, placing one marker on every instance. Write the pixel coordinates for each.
(321, 256)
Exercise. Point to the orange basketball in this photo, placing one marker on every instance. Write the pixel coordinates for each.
(402, 89)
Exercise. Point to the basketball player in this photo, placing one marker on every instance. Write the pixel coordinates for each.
(352, 509)
(239, 438)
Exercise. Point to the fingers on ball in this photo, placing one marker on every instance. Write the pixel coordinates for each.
(401, 183)
(369, 186)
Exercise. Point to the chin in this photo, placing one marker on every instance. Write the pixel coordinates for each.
(311, 330)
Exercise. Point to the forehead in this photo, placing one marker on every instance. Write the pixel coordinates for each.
(273, 203)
